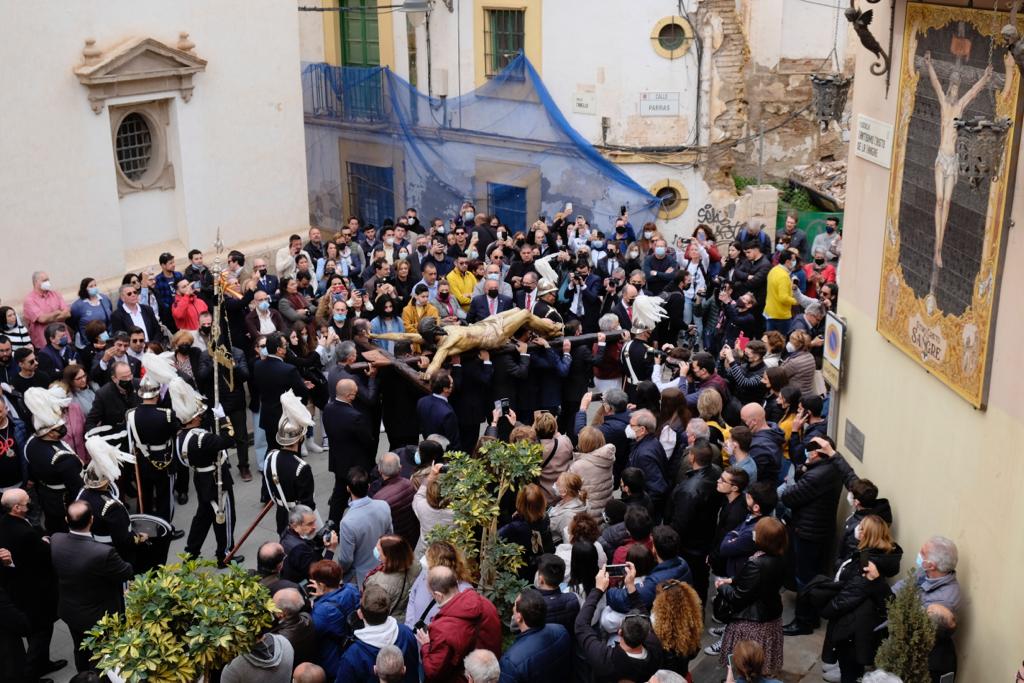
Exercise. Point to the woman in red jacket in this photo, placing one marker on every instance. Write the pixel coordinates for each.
(187, 306)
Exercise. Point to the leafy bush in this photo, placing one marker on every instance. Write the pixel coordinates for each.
(475, 487)
(911, 636)
(180, 621)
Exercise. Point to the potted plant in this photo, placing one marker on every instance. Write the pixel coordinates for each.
(475, 487)
(181, 622)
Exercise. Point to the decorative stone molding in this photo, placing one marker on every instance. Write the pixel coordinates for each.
(138, 66)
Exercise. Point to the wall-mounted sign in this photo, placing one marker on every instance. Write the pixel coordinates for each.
(583, 103)
(832, 353)
(659, 104)
(854, 440)
(874, 140)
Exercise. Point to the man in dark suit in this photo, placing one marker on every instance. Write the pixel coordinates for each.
(31, 581)
(113, 400)
(511, 370)
(489, 303)
(350, 438)
(624, 308)
(90, 575)
(266, 282)
(472, 376)
(130, 313)
(272, 378)
(116, 351)
(58, 352)
(582, 297)
(262, 320)
(576, 383)
(434, 413)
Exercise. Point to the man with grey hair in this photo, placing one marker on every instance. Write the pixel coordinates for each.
(666, 676)
(607, 367)
(879, 676)
(295, 624)
(648, 455)
(309, 673)
(390, 665)
(936, 574)
(43, 305)
(398, 492)
(303, 545)
(482, 667)
(615, 411)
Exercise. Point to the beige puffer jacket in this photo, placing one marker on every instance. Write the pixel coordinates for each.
(558, 463)
(595, 469)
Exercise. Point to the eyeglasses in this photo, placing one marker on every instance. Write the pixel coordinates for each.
(725, 481)
(132, 292)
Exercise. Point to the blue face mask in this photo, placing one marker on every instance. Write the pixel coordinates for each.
(263, 305)
(263, 352)
(829, 229)
(597, 244)
(493, 276)
(376, 554)
(340, 317)
(416, 458)
(93, 291)
(659, 251)
(104, 336)
(780, 247)
(919, 561)
(63, 342)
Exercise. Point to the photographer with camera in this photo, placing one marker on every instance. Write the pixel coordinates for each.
(739, 315)
(303, 544)
(582, 294)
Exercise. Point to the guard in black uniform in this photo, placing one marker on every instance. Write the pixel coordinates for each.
(547, 293)
(111, 523)
(53, 467)
(151, 432)
(287, 477)
(205, 453)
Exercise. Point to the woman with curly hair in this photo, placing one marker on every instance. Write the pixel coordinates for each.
(677, 620)
(422, 606)
(582, 528)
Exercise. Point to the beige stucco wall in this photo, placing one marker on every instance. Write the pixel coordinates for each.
(947, 468)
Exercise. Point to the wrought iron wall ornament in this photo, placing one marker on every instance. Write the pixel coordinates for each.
(979, 148)
(861, 21)
(1012, 38)
(828, 97)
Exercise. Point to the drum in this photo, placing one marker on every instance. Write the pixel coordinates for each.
(153, 552)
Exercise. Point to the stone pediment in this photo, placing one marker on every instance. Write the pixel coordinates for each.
(138, 66)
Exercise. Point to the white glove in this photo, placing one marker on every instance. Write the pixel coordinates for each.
(218, 411)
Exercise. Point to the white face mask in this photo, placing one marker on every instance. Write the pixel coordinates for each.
(566, 536)
(45, 286)
(858, 532)
(850, 499)
(423, 563)
(630, 433)
(554, 488)
(729, 448)
(790, 347)
(753, 536)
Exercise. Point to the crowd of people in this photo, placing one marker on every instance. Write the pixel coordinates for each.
(687, 472)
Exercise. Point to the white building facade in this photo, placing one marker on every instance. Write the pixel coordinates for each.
(134, 128)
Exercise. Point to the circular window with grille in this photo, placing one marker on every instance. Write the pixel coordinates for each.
(674, 198)
(671, 37)
(134, 146)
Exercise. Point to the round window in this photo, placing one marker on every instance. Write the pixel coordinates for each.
(671, 37)
(669, 197)
(134, 146)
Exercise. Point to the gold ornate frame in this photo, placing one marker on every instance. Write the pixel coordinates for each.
(956, 349)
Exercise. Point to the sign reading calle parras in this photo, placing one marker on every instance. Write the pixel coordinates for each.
(874, 140)
(659, 104)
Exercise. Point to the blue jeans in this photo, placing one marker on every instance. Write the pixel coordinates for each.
(259, 441)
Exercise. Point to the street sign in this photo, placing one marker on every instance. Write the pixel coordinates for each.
(659, 104)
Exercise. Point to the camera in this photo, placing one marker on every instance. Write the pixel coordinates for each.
(596, 395)
(325, 533)
(655, 354)
(443, 468)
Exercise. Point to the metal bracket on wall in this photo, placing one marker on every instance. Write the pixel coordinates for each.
(861, 21)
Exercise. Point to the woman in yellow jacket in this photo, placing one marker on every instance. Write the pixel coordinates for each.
(418, 309)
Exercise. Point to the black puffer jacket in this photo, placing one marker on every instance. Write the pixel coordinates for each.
(692, 509)
(813, 500)
(753, 594)
(848, 544)
(859, 606)
(562, 608)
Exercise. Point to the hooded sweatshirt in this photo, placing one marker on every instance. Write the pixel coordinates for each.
(269, 661)
(357, 662)
(766, 450)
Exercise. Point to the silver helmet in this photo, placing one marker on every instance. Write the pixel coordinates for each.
(295, 419)
(148, 387)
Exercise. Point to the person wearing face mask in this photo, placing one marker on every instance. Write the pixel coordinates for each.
(333, 603)
(53, 468)
(778, 308)
(386, 321)
(265, 282)
(827, 239)
(422, 606)
(394, 574)
(113, 401)
(58, 352)
(465, 621)
(818, 272)
(863, 500)
(799, 364)
(263, 319)
(43, 306)
(812, 500)
(90, 305)
(304, 544)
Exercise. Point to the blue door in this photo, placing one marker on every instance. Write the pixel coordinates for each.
(371, 191)
(508, 203)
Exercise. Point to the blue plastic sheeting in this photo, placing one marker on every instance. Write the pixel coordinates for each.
(375, 145)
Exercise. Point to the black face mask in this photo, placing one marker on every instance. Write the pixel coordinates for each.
(125, 384)
(262, 272)
(185, 348)
(61, 431)
(819, 261)
(421, 249)
(493, 293)
(206, 329)
(443, 296)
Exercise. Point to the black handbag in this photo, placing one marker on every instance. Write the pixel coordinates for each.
(722, 609)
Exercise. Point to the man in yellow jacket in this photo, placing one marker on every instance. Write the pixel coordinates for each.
(462, 282)
(778, 307)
